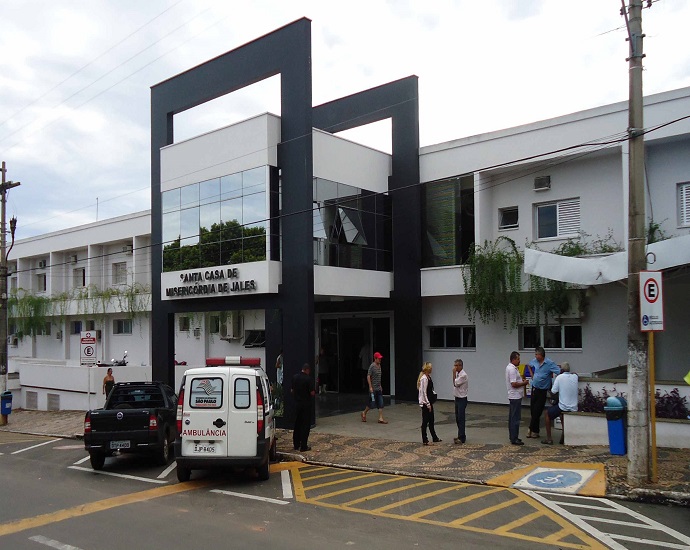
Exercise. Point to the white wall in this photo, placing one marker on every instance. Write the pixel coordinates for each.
(247, 144)
(341, 160)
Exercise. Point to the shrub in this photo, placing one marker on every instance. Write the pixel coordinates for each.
(668, 405)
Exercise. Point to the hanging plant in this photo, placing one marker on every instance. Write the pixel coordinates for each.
(28, 312)
(493, 282)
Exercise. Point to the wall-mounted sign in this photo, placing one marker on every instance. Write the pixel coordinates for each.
(218, 281)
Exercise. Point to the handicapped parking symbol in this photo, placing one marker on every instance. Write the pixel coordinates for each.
(554, 479)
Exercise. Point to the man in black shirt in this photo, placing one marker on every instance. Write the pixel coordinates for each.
(303, 391)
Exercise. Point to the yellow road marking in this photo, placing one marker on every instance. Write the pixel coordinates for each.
(340, 481)
(321, 476)
(566, 529)
(452, 503)
(389, 492)
(416, 498)
(524, 520)
(98, 506)
(485, 511)
(357, 488)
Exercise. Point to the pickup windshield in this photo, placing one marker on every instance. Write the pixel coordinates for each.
(136, 398)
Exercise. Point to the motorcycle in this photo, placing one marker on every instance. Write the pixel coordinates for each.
(119, 362)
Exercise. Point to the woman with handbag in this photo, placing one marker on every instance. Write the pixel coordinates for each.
(427, 398)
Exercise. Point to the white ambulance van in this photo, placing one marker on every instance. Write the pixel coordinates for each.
(225, 417)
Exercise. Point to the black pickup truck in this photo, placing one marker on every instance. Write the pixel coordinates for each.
(138, 417)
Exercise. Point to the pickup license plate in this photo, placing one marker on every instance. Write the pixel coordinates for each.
(119, 444)
(204, 449)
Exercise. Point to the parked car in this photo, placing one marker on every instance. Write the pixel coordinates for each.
(138, 417)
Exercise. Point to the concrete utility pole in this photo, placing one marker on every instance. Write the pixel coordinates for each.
(6, 185)
(638, 375)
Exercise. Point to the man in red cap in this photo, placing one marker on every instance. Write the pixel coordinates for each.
(375, 389)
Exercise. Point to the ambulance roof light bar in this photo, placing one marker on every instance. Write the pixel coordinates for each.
(233, 360)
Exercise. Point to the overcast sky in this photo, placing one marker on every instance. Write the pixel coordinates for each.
(75, 77)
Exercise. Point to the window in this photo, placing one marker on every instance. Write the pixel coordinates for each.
(214, 324)
(453, 337)
(551, 336)
(242, 393)
(90, 325)
(684, 204)
(558, 219)
(122, 326)
(46, 330)
(120, 273)
(206, 393)
(508, 218)
(183, 323)
(13, 283)
(41, 282)
(79, 277)
(75, 327)
(255, 339)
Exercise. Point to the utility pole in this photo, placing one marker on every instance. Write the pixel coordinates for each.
(4, 187)
(638, 375)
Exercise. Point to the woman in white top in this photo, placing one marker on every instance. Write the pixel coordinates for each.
(427, 398)
(460, 393)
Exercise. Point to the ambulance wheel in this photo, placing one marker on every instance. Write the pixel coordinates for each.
(264, 471)
(97, 460)
(183, 473)
(273, 452)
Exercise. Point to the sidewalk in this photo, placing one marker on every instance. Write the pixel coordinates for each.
(342, 439)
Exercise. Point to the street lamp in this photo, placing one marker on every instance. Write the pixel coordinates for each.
(4, 187)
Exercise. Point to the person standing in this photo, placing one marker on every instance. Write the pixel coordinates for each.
(322, 370)
(303, 391)
(427, 398)
(108, 382)
(516, 388)
(279, 368)
(460, 393)
(375, 389)
(565, 386)
(544, 369)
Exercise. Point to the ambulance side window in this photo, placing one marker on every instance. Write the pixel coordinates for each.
(242, 393)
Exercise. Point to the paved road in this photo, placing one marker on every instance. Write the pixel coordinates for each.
(52, 498)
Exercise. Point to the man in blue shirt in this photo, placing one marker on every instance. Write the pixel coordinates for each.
(544, 369)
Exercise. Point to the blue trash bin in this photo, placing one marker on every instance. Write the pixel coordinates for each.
(616, 410)
(6, 401)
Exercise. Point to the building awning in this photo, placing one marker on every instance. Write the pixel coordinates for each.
(598, 270)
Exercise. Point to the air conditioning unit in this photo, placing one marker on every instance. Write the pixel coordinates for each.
(542, 183)
(41, 264)
(13, 341)
(73, 258)
(197, 332)
(232, 328)
(127, 249)
(58, 335)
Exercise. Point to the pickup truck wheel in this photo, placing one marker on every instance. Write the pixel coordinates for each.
(264, 470)
(164, 453)
(183, 473)
(97, 460)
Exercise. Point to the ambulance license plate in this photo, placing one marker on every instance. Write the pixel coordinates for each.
(204, 449)
(119, 444)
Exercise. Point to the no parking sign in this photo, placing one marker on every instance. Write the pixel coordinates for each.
(651, 301)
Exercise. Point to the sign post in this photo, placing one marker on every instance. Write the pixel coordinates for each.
(88, 348)
(652, 320)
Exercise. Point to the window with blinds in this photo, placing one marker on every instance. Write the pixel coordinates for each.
(558, 219)
(684, 204)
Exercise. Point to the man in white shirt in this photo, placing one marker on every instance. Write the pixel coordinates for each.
(516, 388)
(565, 386)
